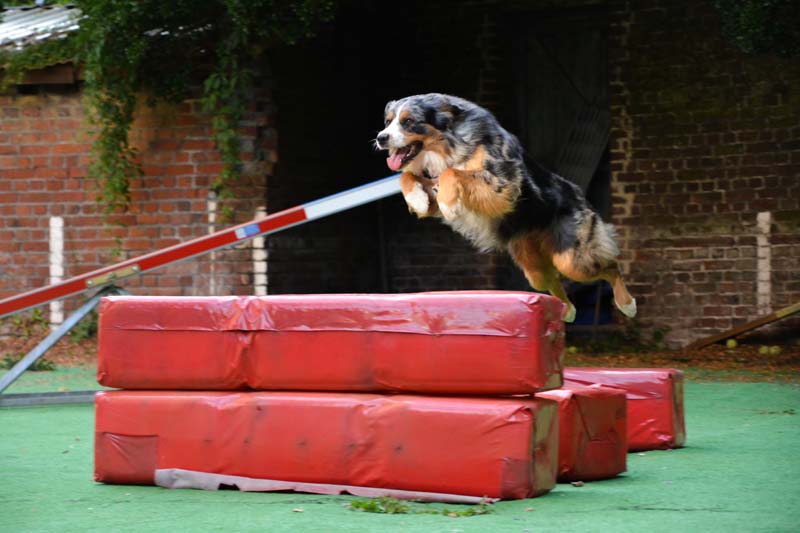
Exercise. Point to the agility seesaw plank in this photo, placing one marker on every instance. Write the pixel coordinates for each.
(744, 328)
(275, 222)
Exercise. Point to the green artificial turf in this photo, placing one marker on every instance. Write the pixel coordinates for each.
(739, 472)
(62, 379)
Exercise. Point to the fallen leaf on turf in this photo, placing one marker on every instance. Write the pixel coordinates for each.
(297, 510)
(577, 483)
(452, 515)
(528, 509)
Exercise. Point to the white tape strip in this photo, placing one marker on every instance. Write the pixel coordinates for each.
(352, 198)
(764, 263)
(56, 266)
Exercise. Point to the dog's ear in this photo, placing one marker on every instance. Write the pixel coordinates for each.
(443, 117)
(456, 111)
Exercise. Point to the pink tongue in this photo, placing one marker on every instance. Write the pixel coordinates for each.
(395, 161)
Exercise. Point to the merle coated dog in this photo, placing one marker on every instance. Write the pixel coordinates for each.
(459, 164)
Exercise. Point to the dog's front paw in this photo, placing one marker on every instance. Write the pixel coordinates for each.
(451, 211)
(418, 201)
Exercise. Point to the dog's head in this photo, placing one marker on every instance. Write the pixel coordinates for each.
(416, 124)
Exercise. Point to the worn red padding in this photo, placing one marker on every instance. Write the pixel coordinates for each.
(473, 342)
(655, 402)
(592, 441)
(498, 448)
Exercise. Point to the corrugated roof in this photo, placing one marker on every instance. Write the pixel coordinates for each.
(21, 26)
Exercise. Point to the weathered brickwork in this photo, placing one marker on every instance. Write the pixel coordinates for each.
(704, 157)
(44, 155)
(704, 139)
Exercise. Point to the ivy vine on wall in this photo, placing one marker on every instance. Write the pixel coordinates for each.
(762, 26)
(166, 50)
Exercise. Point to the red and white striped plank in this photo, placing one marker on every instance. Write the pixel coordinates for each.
(273, 223)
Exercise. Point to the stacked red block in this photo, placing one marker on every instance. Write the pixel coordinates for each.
(606, 412)
(655, 402)
(500, 448)
(300, 390)
(593, 433)
(478, 342)
(436, 396)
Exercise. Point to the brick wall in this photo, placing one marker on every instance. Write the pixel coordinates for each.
(704, 139)
(44, 153)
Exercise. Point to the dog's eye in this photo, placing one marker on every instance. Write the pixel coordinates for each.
(407, 123)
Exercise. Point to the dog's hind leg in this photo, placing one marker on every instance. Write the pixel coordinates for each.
(539, 271)
(622, 298)
(566, 263)
(419, 195)
(553, 286)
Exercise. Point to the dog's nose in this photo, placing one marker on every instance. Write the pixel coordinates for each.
(382, 139)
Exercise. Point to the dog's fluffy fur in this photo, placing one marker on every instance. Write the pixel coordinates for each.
(459, 164)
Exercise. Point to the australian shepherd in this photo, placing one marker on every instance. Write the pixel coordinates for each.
(460, 165)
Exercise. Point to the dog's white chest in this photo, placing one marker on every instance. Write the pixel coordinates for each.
(479, 229)
(428, 163)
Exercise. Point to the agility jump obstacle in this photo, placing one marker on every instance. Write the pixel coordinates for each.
(275, 222)
(102, 279)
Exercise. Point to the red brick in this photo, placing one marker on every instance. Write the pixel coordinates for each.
(66, 148)
(176, 170)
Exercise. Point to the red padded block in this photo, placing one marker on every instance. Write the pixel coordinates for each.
(472, 342)
(592, 441)
(655, 402)
(498, 448)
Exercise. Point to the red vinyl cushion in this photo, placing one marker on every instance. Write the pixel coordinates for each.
(498, 448)
(592, 442)
(655, 402)
(470, 342)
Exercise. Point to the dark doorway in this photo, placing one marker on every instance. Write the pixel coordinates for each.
(558, 105)
(329, 93)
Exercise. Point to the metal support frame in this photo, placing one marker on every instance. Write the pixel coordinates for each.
(48, 342)
(46, 398)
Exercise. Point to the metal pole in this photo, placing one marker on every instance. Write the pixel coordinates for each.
(40, 349)
(46, 398)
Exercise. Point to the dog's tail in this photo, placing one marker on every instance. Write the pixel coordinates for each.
(595, 246)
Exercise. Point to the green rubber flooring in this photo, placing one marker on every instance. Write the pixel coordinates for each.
(740, 471)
